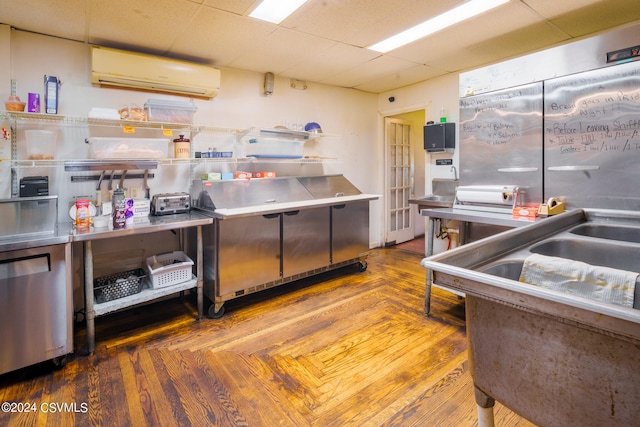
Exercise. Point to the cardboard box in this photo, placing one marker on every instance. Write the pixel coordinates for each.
(263, 175)
(242, 175)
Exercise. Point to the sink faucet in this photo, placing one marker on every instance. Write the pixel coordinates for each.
(455, 172)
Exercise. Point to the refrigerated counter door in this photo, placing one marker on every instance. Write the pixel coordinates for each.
(248, 252)
(306, 240)
(35, 306)
(349, 231)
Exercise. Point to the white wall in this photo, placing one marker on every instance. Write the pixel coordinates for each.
(349, 118)
(429, 96)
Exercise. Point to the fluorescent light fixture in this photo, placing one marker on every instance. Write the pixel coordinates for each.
(440, 22)
(275, 10)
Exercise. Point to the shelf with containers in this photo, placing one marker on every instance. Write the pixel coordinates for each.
(244, 149)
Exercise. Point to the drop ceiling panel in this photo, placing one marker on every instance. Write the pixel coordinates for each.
(550, 9)
(336, 20)
(238, 7)
(603, 14)
(337, 59)
(399, 20)
(62, 18)
(279, 51)
(401, 78)
(150, 24)
(220, 37)
(502, 21)
(324, 41)
(378, 67)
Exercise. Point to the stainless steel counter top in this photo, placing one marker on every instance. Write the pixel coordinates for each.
(143, 225)
(33, 241)
(265, 209)
(493, 218)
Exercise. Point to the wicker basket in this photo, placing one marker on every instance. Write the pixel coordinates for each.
(118, 285)
(169, 269)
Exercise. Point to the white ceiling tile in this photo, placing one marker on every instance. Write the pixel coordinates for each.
(336, 59)
(219, 37)
(239, 7)
(62, 18)
(145, 23)
(324, 40)
(400, 78)
(280, 50)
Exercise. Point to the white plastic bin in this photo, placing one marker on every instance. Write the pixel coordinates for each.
(129, 148)
(275, 148)
(169, 269)
(41, 144)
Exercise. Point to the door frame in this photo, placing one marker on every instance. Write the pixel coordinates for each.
(406, 231)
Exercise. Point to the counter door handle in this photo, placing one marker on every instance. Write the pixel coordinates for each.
(292, 213)
(573, 168)
(515, 170)
(340, 206)
(271, 216)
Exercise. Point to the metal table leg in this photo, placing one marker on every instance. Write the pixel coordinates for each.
(429, 252)
(199, 271)
(484, 404)
(90, 314)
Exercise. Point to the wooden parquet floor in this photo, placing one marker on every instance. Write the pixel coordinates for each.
(346, 348)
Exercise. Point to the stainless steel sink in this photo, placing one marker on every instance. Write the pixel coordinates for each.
(606, 254)
(507, 269)
(434, 201)
(521, 334)
(601, 231)
(444, 191)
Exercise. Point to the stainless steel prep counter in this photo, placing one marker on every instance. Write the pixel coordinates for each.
(152, 225)
(268, 232)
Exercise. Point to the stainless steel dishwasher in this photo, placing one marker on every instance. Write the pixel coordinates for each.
(36, 309)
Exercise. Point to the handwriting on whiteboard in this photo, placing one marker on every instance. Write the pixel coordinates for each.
(596, 112)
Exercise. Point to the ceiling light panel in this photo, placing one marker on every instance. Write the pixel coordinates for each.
(275, 10)
(451, 17)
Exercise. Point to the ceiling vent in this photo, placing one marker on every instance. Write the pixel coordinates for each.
(111, 67)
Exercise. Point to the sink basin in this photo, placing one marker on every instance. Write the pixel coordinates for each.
(592, 252)
(507, 269)
(624, 234)
(434, 201)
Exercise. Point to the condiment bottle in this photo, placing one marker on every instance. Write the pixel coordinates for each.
(119, 208)
(83, 215)
(182, 147)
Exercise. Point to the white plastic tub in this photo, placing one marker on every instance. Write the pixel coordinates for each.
(129, 148)
(169, 269)
(41, 144)
(275, 148)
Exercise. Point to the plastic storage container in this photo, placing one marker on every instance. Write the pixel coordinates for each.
(129, 148)
(118, 285)
(169, 269)
(41, 144)
(275, 148)
(159, 110)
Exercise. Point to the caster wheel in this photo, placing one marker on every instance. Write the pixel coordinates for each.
(215, 314)
(362, 266)
(60, 362)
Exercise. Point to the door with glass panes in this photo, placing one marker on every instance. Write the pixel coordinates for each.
(398, 181)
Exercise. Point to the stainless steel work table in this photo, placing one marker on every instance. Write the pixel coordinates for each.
(154, 224)
(463, 215)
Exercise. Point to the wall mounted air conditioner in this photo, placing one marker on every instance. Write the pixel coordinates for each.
(112, 67)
